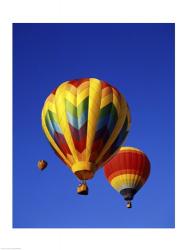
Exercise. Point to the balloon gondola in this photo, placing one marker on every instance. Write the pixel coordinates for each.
(82, 189)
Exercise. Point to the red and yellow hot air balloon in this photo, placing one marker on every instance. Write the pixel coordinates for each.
(85, 121)
(127, 172)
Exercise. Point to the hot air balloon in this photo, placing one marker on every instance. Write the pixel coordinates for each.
(85, 121)
(127, 172)
(42, 164)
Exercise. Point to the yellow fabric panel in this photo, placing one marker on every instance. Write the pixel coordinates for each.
(106, 100)
(50, 104)
(117, 103)
(82, 95)
(129, 117)
(118, 126)
(71, 88)
(93, 113)
(81, 156)
(116, 92)
(50, 99)
(83, 86)
(49, 137)
(70, 97)
(51, 107)
(71, 160)
(60, 95)
(106, 91)
(125, 180)
(130, 148)
(83, 165)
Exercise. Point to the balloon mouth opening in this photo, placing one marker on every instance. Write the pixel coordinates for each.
(128, 193)
(83, 170)
(84, 174)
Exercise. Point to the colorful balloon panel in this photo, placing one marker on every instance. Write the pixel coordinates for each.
(85, 121)
(128, 169)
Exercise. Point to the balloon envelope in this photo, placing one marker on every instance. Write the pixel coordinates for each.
(127, 171)
(85, 121)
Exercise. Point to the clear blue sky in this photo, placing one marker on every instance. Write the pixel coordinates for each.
(138, 59)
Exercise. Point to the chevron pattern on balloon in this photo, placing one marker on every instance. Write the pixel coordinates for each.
(75, 131)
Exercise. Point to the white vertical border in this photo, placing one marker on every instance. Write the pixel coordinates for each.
(6, 126)
(90, 11)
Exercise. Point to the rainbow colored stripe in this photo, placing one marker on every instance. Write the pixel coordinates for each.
(85, 121)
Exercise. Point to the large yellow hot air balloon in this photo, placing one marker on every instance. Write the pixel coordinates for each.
(85, 121)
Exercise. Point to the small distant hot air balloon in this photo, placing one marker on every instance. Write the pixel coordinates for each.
(85, 121)
(127, 172)
(42, 164)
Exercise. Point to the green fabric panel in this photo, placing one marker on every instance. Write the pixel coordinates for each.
(77, 112)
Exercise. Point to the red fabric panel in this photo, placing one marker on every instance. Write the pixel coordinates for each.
(75, 83)
(128, 162)
(61, 142)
